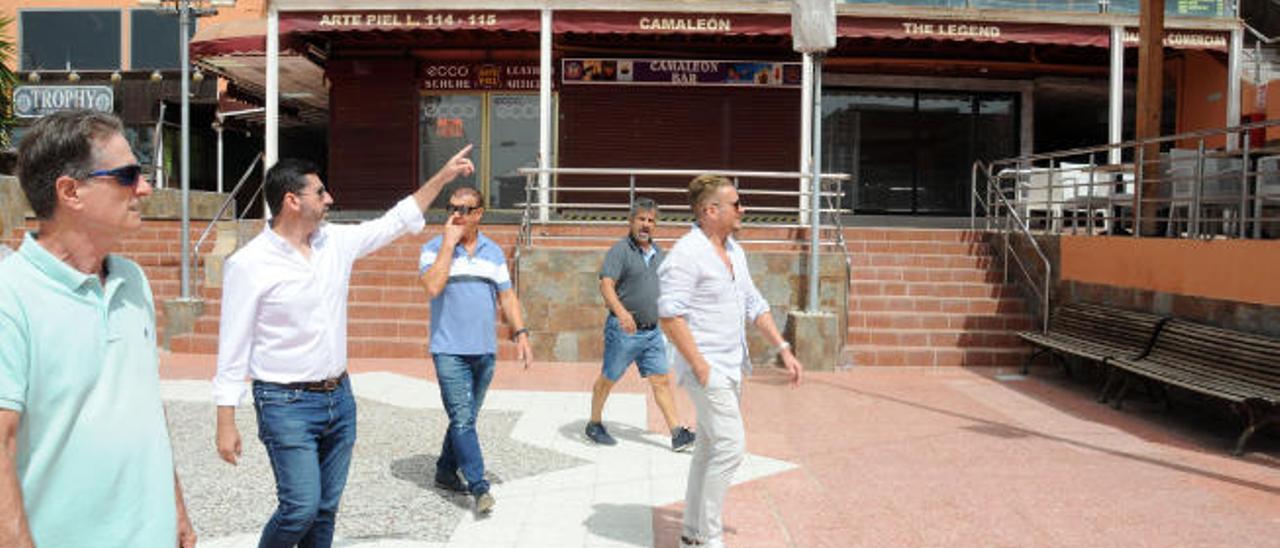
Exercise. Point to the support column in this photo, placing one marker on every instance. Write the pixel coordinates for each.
(1233, 85)
(271, 152)
(544, 118)
(1115, 118)
(1150, 95)
(806, 131)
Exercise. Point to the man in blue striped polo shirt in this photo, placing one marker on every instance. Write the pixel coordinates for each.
(465, 275)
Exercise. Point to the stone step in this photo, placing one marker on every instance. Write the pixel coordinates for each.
(914, 274)
(931, 338)
(896, 356)
(859, 320)
(924, 261)
(920, 248)
(864, 288)
(975, 306)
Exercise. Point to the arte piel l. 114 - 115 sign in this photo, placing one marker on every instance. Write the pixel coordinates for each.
(37, 101)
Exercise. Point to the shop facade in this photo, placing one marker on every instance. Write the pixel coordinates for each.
(911, 95)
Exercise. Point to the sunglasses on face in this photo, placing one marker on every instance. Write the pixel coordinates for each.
(124, 175)
(736, 204)
(320, 192)
(462, 209)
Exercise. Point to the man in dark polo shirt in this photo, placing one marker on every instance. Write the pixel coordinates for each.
(629, 285)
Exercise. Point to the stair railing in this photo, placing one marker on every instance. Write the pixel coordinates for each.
(222, 209)
(997, 207)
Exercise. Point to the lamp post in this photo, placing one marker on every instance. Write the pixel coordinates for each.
(813, 32)
(186, 10)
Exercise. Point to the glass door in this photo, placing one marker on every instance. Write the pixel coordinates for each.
(503, 129)
(913, 151)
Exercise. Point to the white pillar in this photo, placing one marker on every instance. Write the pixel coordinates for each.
(271, 151)
(184, 58)
(1233, 85)
(1115, 118)
(806, 131)
(217, 128)
(544, 118)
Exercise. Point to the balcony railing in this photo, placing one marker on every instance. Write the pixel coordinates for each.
(1173, 8)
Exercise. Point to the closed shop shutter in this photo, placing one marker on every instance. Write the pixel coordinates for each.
(656, 127)
(373, 129)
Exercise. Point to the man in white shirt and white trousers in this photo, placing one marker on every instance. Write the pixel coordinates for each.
(284, 326)
(707, 296)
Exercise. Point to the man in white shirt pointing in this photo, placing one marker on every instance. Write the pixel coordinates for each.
(284, 326)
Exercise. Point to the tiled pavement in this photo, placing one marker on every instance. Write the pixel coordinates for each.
(870, 457)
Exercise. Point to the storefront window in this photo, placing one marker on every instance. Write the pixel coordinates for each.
(912, 151)
(502, 127)
(447, 123)
(71, 39)
(513, 133)
(154, 39)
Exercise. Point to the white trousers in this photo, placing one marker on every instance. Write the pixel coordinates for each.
(719, 449)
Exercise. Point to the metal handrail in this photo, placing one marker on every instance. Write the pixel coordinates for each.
(1199, 193)
(997, 195)
(525, 235)
(226, 202)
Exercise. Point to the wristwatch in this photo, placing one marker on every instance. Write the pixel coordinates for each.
(522, 331)
(783, 346)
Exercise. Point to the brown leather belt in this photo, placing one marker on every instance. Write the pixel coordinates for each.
(327, 385)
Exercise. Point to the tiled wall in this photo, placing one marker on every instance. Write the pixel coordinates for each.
(567, 289)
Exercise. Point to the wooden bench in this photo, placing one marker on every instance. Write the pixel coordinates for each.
(1241, 368)
(1094, 332)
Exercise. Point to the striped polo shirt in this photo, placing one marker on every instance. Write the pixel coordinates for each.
(464, 314)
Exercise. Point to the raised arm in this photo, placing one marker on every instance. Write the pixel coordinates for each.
(458, 165)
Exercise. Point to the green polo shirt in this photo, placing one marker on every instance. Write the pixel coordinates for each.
(79, 362)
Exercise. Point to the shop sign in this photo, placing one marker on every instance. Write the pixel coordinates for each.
(1019, 33)
(37, 101)
(479, 77)
(680, 72)
(329, 21)
(623, 22)
(1183, 39)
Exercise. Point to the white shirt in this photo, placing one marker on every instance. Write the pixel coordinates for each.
(284, 316)
(715, 303)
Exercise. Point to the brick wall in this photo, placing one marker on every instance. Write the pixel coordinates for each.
(1198, 299)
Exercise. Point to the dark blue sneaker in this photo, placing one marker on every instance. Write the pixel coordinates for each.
(682, 439)
(597, 434)
(451, 483)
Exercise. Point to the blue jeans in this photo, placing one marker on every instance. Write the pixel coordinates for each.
(648, 348)
(463, 383)
(309, 437)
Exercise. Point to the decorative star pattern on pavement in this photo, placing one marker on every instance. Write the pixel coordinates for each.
(552, 488)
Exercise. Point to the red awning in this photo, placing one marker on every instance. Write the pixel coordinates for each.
(245, 37)
(236, 37)
(409, 21)
(622, 22)
(1018, 33)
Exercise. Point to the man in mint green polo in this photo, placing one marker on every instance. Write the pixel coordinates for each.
(84, 451)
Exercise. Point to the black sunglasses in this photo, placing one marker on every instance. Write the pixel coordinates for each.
(125, 175)
(736, 204)
(463, 209)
